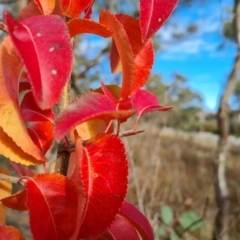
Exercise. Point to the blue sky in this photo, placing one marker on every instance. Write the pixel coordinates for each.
(198, 57)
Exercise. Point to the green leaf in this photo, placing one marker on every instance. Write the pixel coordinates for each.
(188, 218)
(173, 237)
(166, 214)
(160, 232)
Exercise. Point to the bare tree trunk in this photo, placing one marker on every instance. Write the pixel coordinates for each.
(221, 190)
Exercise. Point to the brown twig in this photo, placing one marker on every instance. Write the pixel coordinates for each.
(8, 178)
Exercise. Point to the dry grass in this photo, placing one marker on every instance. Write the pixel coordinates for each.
(172, 168)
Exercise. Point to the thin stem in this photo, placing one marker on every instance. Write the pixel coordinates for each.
(8, 178)
(63, 154)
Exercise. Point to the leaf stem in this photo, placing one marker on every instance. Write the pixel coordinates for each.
(8, 178)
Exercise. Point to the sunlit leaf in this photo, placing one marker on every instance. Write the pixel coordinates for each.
(153, 14)
(5, 191)
(46, 7)
(124, 50)
(144, 101)
(85, 108)
(105, 177)
(9, 232)
(37, 39)
(79, 25)
(52, 200)
(138, 220)
(15, 143)
(73, 8)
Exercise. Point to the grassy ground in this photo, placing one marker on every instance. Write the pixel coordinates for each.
(175, 169)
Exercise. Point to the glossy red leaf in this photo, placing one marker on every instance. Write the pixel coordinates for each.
(143, 52)
(9, 232)
(87, 107)
(40, 122)
(32, 113)
(42, 133)
(16, 201)
(73, 8)
(137, 220)
(153, 14)
(124, 50)
(46, 7)
(144, 101)
(121, 229)
(105, 177)
(79, 25)
(22, 170)
(37, 39)
(52, 200)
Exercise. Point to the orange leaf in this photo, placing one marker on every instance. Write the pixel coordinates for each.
(73, 8)
(9, 232)
(15, 143)
(46, 7)
(16, 201)
(143, 52)
(5, 191)
(124, 49)
(78, 26)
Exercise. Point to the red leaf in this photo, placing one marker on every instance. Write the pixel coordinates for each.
(144, 101)
(9, 232)
(143, 52)
(37, 39)
(32, 113)
(22, 170)
(153, 14)
(16, 201)
(30, 10)
(73, 8)
(123, 229)
(88, 11)
(41, 127)
(137, 220)
(108, 93)
(46, 7)
(78, 26)
(105, 179)
(124, 50)
(115, 62)
(52, 200)
(87, 107)
(42, 133)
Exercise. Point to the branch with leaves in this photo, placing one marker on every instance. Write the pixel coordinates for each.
(87, 200)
